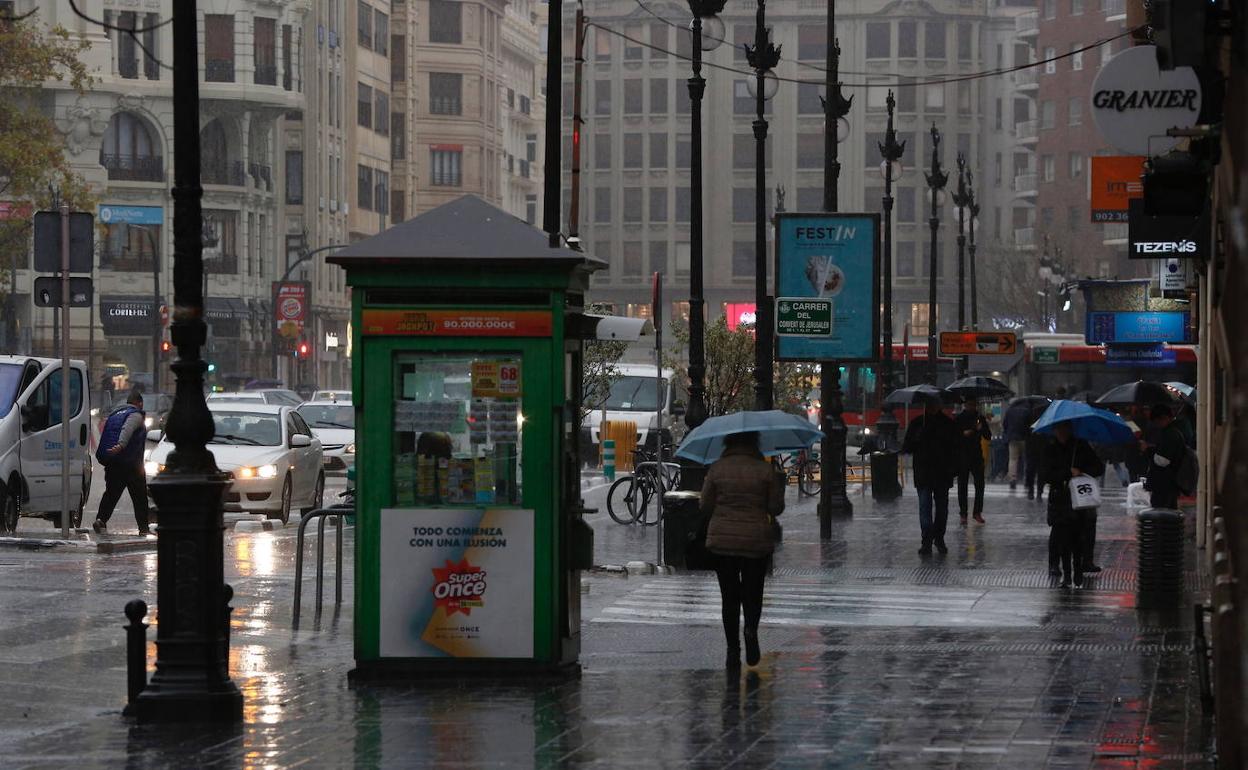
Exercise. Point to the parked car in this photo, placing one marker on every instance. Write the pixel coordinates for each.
(273, 459)
(331, 395)
(277, 396)
(333, 422)
(30, 439)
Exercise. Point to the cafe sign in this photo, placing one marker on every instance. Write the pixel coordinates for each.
(1134, 102)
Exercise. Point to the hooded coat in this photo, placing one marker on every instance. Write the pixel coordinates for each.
(934, 442)
(741, 494)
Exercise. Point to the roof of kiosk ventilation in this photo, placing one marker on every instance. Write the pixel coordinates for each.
(467, 228)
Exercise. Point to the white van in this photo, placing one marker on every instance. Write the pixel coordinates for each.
(30, 439)
(634, 397)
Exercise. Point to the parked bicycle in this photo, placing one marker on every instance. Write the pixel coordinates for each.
(802, 467)
(628, 500)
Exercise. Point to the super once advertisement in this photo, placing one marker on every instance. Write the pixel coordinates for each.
(834, 258)
(456, 583)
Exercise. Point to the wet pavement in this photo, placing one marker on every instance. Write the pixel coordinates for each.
(873, 656)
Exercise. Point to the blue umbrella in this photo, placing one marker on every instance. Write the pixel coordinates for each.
(777, 432)
(1099, 426)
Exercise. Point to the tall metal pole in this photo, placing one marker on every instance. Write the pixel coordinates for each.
(891, 150)
(65, 376)
(554, 122)
(833, 500)
(936, 180)
(157, 331)
(961, 201)
(762, 57)
(695, 415)
(974, 209)
(574, 206)
(192, 680)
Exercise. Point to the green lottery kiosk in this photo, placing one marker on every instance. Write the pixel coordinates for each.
(466, 378)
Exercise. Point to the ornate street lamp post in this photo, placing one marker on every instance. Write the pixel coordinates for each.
(974, 208)
(936, 180)
(192, 680)
(960, 201)
(763, 57)
(890, 168)
(704, 12)
(833, 498)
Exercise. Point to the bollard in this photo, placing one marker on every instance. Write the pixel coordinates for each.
(1159, 570)
(136, 649)
(227, 594)
(608, 459)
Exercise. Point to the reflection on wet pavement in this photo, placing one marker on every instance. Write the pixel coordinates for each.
(872, 656)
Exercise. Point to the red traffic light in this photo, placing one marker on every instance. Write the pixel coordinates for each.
(303, 350)
(165, 346)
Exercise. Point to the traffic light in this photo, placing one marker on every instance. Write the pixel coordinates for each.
(303, 350)
(212, 367)
(165, 347)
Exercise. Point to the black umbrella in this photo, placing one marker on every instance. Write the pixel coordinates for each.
(920, 394)
(1086, 396)
(1031, 401)
(980, 387)
(1140, 392)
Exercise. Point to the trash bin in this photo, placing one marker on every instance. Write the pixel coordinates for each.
(884, 484)
(682, 518)
(1159, 569)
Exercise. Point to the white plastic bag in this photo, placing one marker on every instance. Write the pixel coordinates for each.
(1085, 492)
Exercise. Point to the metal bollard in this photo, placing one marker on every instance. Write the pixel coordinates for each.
(608, 459)
(136, 649)
(1159, 569)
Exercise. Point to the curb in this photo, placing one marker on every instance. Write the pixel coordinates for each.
(84, 546)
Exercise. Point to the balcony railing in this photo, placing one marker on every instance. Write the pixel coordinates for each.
(1025, 237)
(131, 168)
(266, 74)
(524, 169)
(446, 105)
(1028, 23)
(1025, 78)
(219, 70)
(224, 172)
(225, 264)
(1114, 7)
(1026, 130)
(1025, 184)
(128, 68)
(126, 261)
(261, 175)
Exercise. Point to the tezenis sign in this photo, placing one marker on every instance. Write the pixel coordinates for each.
(1166, 237)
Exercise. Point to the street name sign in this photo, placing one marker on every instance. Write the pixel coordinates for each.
(978, 343)
(803, 317)
(1044, 356)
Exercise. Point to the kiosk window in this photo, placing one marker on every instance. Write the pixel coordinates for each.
(457, 427)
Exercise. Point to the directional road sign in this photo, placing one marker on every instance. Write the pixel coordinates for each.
(978, 343)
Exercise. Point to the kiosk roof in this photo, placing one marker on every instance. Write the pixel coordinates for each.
(467, 228)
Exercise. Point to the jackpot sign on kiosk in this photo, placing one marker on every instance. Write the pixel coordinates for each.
(826, 281)
(456, 583)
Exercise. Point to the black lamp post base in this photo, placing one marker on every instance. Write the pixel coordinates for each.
(189, 701)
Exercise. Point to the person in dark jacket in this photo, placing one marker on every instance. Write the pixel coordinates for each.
(932, 439)
(121, 453)
(1016, 425)
(972, 429)
(1067, 457)
(742, 494)
(1165, 453)
(1036, 443)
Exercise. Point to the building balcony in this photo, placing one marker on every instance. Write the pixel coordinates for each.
(261, 175)
(132, 168)
(224, 264)
(128, 68)
(1114, 8)
(219, 71)
(224, 173)
(1025, 238)
(1027, 131)
(126, 261)
(1027, 80)
(266, 75)
(1028, 24)
(1025, 185)
(446, 105)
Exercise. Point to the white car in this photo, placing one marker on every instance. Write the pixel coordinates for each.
(273, 459)
(276, 396)
(333, 422)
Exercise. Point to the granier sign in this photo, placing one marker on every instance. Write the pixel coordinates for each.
(1134, 102)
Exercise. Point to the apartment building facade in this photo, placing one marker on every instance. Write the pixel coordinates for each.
(636, 153)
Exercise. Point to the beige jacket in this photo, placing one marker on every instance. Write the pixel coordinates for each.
(741, 494)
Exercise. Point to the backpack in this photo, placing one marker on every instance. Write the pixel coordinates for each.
(1187, 475)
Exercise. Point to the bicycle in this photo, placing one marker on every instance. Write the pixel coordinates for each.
(628, 500)
(804, 466)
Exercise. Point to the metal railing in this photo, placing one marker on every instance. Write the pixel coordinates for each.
(134, 168)
(1027, 77)
(261, 175)
(1025, 184)
(1025, 236)
(1028, 23)
(266, 75)
(337, 511)
(223, 172)
(1026, 129)
(219, 70)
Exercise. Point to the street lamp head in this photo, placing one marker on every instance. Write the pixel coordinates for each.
(704, 9)
(771, 85)
(713, 32)
(891, 171)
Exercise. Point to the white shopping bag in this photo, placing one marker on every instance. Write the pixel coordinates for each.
(1085, 492)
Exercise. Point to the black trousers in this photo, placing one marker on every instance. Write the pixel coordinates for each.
(740, 588)
(1071, 541)
(971, 470)
(119, 478)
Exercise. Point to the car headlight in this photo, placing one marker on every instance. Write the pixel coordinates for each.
(152, 468)
(267, 471)
(350, 449)
(256, 472)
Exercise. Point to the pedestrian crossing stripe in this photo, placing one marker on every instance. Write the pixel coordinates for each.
(696, 601)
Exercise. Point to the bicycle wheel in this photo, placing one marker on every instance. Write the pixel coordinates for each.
(648, 493)
(809, 480)
(620, 500)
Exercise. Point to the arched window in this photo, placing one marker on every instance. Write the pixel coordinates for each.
(215, 165)
(131, 151)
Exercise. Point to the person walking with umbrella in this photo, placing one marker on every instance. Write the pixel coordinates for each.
(1016, 425)
(1165, 456)
(932, 440)
(972, 428)
(742, 494)
(1068, 457)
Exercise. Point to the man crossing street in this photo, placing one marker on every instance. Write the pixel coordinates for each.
(121, 453)
(972, 428)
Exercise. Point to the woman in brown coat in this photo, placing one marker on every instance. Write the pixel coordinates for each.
(742, 494)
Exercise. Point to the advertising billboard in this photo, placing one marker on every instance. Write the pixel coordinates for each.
(828, 259)
(1115, 181)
